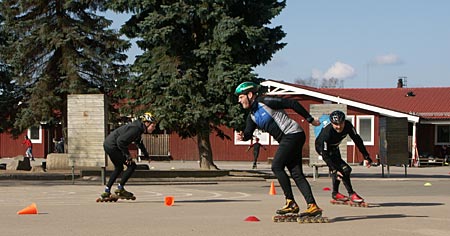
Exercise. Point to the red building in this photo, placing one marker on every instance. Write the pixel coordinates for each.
(426, 109)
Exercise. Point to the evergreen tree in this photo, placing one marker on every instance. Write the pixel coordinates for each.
(61, 47)
(10, 92)
(194, 55)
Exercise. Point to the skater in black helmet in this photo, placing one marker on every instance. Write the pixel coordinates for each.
(116, 146)
(327, 145)
(267, 114)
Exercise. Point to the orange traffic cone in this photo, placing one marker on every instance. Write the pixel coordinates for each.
(31, 209)
(272, 189)
(169, 200)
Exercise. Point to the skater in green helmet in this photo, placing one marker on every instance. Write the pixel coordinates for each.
(116, 146)
(267, 114)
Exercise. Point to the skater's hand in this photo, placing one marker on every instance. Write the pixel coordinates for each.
(339, 175)
(240, 136)
(367, 161)
(315, 122)
(128, 161)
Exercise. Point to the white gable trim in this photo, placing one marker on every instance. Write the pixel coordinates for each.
(276, 88)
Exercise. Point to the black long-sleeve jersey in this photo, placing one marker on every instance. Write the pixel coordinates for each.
(329, 140)
(123, 136)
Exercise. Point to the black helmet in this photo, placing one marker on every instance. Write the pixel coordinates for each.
(337, 117)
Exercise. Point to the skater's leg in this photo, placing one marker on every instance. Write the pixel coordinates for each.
(278, 165)
(301, 182)
(128, 172)
(294, 166)
(116, 157)
(335, 181)
(346, 170)
(255, 158)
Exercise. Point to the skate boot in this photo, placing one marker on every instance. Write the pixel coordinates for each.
(288, 213)
(290, 207)
(124, 194)
(356, 198)
(312, 210)
(313, 214)
(340, 197)
(107, 197)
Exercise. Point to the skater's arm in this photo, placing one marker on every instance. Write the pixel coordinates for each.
(283, 103)
(250, 127)
(126, 138)
(144, 151)
(321, 145)
(359, 144)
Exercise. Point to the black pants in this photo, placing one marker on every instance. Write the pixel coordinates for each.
(337, 164)
(118, 159)
(289, 155)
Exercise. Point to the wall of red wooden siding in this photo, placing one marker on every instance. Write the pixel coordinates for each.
(10, 147)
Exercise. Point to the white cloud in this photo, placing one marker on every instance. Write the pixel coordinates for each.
(316, 74)
(388, 59)
(340, 71)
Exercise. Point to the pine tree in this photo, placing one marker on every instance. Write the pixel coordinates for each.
(61, 47)
(10, 92)
(194, 55)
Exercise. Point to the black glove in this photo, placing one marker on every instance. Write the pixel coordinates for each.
(128, 160)
(368, 159)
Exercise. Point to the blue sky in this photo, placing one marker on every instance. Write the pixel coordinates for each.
(365, 43)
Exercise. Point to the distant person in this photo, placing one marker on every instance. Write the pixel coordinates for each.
(444, 152)
(327, 145)
(116, 146)
(268, 114)
(29, 147)
(256, 146)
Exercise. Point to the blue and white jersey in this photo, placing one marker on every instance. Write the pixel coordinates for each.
(267, 114)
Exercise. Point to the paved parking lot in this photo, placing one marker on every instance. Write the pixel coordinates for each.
(400, 206)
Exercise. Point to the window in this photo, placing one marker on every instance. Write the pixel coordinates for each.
(352, 120)
(442, 134)
(365, 129)
(263, 138)
(34, 133)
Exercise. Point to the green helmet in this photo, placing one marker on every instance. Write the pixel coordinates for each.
(246, 87)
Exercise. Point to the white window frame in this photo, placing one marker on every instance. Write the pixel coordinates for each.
(436, 135)
(263, 138)
(352, 120)
(372, 128)
(35, 140)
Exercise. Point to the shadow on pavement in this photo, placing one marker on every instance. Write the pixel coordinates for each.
(397, 204)
(387, 216)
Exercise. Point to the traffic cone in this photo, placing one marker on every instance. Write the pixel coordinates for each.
(31, 209)
(272, 189)
(169, 200)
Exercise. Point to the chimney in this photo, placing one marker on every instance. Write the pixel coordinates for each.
(400, 83)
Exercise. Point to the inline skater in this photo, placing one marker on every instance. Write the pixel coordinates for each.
(116, 146)
(267, 114)
(327, 145)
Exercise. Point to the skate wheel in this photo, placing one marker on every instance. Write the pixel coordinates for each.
(98, 200)
(275, 219)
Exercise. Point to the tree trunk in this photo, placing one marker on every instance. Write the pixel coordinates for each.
(204, 150)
